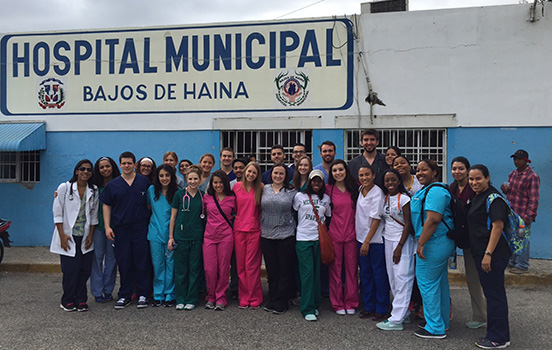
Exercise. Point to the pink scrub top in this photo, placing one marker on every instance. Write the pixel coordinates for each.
(247, 212)
(342, 225)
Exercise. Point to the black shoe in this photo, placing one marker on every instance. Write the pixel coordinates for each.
(268, 308)
(107, 297)
(422, 333)
(142, 302)
(82, 307)
(68, 307)
(170, 303)
(485, 343)
(157, 303)
(122, 303)
(279, 311)
(422, 325)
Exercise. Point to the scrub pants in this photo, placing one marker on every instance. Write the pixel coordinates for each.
(478, 302)
(76, 271)
(308, 257)
(132, 254)
(248, 262)
(432, 276)
(401, 277)
(104, 265)
(344, 293)
(498, 328)
(187, 271)
(163, 271)
(279, 256)
(216, 259)
(373, 279)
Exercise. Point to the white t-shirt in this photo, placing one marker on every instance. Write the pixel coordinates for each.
(367, 209)
(392, 209)
(307, 227)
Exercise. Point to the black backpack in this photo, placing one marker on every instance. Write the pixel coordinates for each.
(459, 233)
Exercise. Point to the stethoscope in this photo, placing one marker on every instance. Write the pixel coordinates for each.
(187, 208)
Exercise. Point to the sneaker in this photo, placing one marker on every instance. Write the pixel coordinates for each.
(422, 325)
(180, 306)
(100, 299)
(406, 320)
(220, 307)
(190, 307)
(389, 326)
(68, 307)
(518, 271)
(475, 324)
(350, 311)
(311, 318)
(296, 301)
(82, 307)
(268, 308)
(209, 305)
(122, 303)
(341, 312)
(142, 302)
(485, 343)
(243, 307)
(378, 317)
(157, 303)
(366, 314)
(107, 297)
(170, 303)
(422, 333)
(279, 312)
(255, 307)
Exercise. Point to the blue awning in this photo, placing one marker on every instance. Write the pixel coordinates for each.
(18, 137)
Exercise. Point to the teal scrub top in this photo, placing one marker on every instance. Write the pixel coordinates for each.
(438, 200)
(189, 224)
(158, 230)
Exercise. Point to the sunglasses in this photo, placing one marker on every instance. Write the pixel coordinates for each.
(85, 169)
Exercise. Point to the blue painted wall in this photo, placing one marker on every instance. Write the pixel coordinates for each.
(321, 135)
(31, 209)
(493, 147)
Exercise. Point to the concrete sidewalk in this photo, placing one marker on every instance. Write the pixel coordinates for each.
(39, 259)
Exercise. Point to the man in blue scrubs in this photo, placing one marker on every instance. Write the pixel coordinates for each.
(126, 211)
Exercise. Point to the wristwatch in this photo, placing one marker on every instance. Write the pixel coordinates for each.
(488, 253)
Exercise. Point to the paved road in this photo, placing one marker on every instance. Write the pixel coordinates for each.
(30, 318)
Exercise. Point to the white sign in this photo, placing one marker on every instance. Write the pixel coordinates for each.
(297, 65)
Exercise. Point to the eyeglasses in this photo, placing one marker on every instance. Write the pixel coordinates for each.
(82, 168)
(145, 166)
(299, 152)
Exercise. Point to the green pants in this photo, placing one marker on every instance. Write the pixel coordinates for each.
(308, 257)
(187, 271)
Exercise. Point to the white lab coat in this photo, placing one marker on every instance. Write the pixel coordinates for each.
(66, 212)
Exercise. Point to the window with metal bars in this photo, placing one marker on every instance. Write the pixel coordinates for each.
(20, 167)
(258, 143)
(415, 144)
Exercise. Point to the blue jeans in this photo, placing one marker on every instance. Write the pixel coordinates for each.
(373, 279)
(104, 265)
(521, 261)
(432, 276)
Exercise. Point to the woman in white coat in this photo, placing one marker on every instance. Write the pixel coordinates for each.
(75, 216)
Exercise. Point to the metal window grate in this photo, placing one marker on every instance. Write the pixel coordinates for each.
(20, 166)
(258, 143)
(415, 144)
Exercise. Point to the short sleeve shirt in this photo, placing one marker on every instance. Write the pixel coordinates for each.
(368, 208)
(128, 203)
(392, 211)
(247, 212)
(307, 226)
(342, 225)
(189, 225)
(277, 221)
(217, 228)
(158, 229)
(437, 199)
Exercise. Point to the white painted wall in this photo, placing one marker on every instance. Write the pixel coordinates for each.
(489, 66)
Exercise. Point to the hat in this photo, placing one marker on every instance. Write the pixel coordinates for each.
(521, 153)
(316, 173)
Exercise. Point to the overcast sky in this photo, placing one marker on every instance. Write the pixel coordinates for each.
(33, 15)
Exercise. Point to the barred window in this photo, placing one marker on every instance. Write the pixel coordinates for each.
(20, 166)
(415, 144)
(258, 143)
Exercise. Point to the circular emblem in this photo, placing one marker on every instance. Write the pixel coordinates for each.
(292, 88)
(51, 93)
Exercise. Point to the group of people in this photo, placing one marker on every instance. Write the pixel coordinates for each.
(381, 217)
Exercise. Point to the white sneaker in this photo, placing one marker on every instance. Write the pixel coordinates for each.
(350, 311)
(189, 307)
(180, 306)
(341, 312)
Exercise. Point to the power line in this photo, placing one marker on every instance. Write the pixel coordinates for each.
(302, 8)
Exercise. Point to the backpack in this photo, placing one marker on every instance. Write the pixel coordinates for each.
(515, 232)
(459, 233)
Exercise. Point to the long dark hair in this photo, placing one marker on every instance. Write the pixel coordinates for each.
(75, 177)
(287, 185)
(350, 182)
(402, 189)
(172, 185)
(97, 178)
(225, 183)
